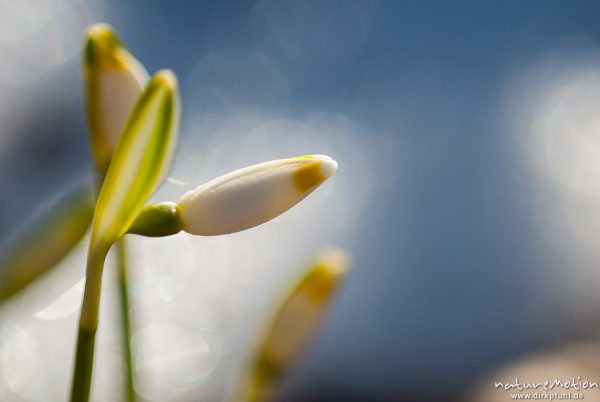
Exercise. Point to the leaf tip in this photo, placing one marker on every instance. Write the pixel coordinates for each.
(166, 80)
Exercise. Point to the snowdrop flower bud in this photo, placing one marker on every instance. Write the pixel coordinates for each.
(251, 196)
(295, 323)
(113, 80)
(300, 314)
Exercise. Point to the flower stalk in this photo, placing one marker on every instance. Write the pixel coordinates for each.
(88, 324)
(113, 80)
(138, 164)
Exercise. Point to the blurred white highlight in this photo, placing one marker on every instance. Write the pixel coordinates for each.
(553, 106)
(18, 347)
(37, 38)
(171, 360)
(566, 132)
(38, 35)
(67, 304)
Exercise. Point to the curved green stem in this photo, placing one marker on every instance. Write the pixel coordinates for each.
(88, 323)
(121, 251)
(125, 318)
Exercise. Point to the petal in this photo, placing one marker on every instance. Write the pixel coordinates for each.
(251, 196)
(113, 81)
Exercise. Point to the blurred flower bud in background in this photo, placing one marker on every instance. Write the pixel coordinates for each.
(295, 323)
(113, 80)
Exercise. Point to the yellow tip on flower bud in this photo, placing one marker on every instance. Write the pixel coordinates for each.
(251, 196)
(329, 268)
(314, 172)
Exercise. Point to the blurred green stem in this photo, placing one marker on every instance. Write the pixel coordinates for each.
(88, 323)
(121, 250)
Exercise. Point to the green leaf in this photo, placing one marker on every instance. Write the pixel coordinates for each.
(46, 242)
(140, 160)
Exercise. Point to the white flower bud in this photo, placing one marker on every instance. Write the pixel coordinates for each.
(113, 81)
(251, 196)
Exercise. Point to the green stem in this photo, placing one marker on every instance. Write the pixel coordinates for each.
(84, 362)
(121, 250)
(125, 318)
(88, 323)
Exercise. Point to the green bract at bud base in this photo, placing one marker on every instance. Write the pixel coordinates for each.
(157, 220)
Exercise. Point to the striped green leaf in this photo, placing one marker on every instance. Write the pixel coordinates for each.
(140, 160)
